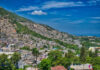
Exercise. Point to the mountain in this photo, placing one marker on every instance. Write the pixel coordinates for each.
(22, 32)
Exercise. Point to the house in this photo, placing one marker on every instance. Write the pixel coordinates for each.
(7, 53)
(82, 67)
(93, 49)
(58, 68)
(5, 49)
(21, 64)
(98, 48)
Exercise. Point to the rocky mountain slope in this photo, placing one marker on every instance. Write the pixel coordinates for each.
(23, 32)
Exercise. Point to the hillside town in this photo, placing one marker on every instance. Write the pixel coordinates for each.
(25, 45)
(28, 59)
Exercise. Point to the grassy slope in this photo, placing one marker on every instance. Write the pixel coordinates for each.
(25, 30)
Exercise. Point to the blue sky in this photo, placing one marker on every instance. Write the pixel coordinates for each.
(78, 17)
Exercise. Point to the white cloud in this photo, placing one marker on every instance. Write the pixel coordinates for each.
(94, 21)
(77, 22)
(68, 15)
(54, 4)
(58, 4)
(59, 19)
(30, 8)
(51, 4)
(40, 12)
(93, 2)
(95, 17)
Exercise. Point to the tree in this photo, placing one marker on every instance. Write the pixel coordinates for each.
(96, 63)
(57, 59)
(91, 54)
(63, 61)
(89, 60)
(35, 53)
(15, 58)
(76, 60)
(96, 53)
(70, 54)
(45, 64)
(54, 55)
(83, 56)
(25, 48)
(6, 63)
(96, 67)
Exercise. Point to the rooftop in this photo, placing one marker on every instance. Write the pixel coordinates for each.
(58, 68)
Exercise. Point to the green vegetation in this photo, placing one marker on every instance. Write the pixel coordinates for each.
(87, 44)
(15, 58)
(45, 64)
(20, 69)
(56, 58)
(54, 55)
(9, 63)
(35, 53)
(26, 66)
(70, 54)
(45, 46)
(12, 16)
(97, 40)
(95, 62)
(25, 30)
(83, 55)
(71, 46)
(57, 47)
(5, 63)
(26, 48)
(90, 57)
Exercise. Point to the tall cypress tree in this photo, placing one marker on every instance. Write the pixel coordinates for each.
(83, 56)
(35, 53)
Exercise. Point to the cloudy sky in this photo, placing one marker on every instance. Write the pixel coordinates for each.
(78, 17)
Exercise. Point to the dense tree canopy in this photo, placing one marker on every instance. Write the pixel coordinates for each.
(8, 63)
(15, 58)
(54, 55)
(45, 64)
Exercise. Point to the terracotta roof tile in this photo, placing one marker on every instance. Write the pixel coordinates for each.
(58, 68)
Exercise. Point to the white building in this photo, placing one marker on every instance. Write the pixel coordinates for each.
(93, 49)
(7, 53)
(82, 67)
(31, 68)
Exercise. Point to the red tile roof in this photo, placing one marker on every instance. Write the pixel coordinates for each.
(97, 47)
(58, 68)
